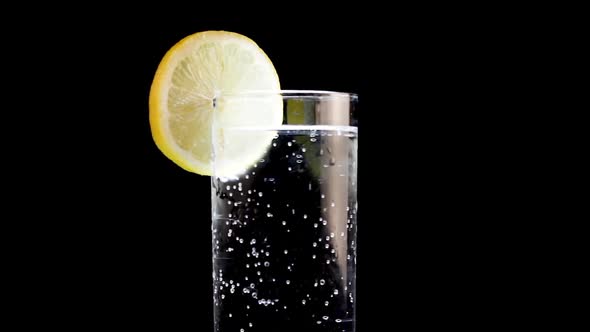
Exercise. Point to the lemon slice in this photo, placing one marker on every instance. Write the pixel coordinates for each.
(190, 118)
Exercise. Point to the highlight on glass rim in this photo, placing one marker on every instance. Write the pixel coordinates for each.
(283, 167)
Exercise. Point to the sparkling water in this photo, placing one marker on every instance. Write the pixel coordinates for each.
(284, 236)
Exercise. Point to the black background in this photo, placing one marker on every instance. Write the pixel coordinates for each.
(130, 246)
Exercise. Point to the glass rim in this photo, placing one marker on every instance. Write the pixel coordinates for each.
(288, 94)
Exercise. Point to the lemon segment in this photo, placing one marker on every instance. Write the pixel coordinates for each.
(189, 115)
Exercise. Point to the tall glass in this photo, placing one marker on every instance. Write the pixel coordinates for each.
(284, 225)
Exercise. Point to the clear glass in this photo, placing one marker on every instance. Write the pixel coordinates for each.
(284, 228)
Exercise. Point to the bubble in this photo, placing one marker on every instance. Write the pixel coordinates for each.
(325, 317)
(322, 282)
(312, 139)
(338, 320)
(252, 285)
(266, 264)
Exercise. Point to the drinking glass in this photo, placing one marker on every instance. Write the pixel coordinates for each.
(284, 226)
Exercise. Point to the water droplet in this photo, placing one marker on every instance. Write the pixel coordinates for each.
(230, 315)
(303, 150)
(260, 194)
(250, 324)
(274, 144)
(284, 223)
(269, 215)
(241, 240)
(333, 204)
(322, 282)
(327, 261)
(327, 246)
(326, 303)
(222, 296)
(342, 234)
(249, 191)
(314, 244)
(335, 292)
(253, 241)
(325, 222)
(242, 330)
(266, 264)
(315, 225)
(313, 256)
(315, 284)
(287, 281)
(332, 235)
(228, 187)
(303, 302)
(286, 251)
(327, 238)
(260, 280)
(312, 140)
(289, 143)
(323, 196)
